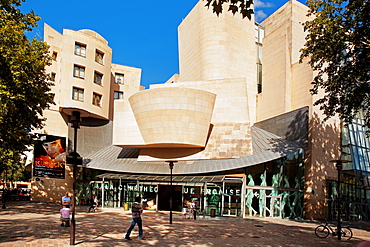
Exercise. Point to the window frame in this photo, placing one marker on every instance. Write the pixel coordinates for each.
(52, 76)
(78, 75)
(79, 51)
(97, 57)
(95, 96)
(54, 56)
(119, 74)
(119, 93)
(80, 92)
(98, 75)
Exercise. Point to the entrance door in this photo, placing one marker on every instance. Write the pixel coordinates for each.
(273, 206)
(231, 205)
(164, 197)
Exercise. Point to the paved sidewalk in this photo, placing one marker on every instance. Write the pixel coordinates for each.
(37, 224)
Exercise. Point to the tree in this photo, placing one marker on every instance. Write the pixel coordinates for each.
(24, 85)
(337, 45)
(241, 6)
(13, 168)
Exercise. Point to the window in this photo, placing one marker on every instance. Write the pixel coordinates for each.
(259, 33)
(119, 78)
(99, 57)
(52, 96)
(259, 67)
(52, 76)
(98, 78)
(54, 56)
(80, 49)
(78, 94)
(79, 71)
(118, 95)
(259, 77)
(96, 99)
(355, 145)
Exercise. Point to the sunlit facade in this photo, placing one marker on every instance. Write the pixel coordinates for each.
(238, 119)
(356, 186)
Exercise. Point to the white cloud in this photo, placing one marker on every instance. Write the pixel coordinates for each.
(260, 4)
(259, 15)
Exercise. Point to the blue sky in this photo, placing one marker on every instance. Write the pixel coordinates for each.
(142, 34)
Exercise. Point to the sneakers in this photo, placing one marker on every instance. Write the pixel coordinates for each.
(128, 238)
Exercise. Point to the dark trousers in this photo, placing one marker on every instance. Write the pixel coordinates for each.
(65, 221)
(93, 206)
(133, 223)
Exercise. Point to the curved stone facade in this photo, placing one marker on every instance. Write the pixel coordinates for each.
(173, 117)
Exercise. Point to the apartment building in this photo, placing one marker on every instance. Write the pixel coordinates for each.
(85, 80)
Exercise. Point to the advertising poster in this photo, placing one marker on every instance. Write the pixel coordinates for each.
(50, 157)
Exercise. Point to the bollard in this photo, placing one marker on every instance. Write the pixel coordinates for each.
(213, 212)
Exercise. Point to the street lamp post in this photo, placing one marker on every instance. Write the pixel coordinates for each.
(75, 121)
(339, 166)
(171, 164)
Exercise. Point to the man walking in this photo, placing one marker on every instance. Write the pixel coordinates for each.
(136, 211)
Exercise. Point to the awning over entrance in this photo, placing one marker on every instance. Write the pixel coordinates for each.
(266, 147)
(187, 179)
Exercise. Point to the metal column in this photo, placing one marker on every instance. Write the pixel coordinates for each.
(242, 196)
(102, 194)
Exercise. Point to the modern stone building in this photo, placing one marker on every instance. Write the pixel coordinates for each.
(238, 119)
(85, 80)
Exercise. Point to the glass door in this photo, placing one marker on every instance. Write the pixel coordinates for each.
(231, 200)
(231, 205)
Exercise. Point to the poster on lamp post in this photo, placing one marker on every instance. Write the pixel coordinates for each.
(50, 157)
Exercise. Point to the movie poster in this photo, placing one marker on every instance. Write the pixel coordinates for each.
(50, 157)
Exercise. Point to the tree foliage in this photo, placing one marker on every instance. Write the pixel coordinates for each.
(24, 85)
(337, 45)
(235, 6)
(12, 167)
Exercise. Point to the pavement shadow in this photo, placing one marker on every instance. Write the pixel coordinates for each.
(30, 224)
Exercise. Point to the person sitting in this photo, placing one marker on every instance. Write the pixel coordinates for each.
(64, 216)
(66, 200)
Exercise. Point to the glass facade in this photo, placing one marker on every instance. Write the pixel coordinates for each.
(273, 189)
(355, 185)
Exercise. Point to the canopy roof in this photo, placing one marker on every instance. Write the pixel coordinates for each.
(266, 147)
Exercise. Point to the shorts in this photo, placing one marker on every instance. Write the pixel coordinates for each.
(64, 220)
(184, 210)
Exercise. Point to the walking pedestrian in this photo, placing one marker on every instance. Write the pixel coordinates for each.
(93, 204)
(5, 197)
(136, 211)
(184, 208)
(193, 209)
